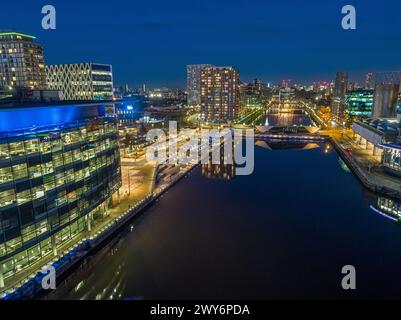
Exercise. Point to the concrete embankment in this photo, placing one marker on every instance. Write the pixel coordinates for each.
(363, 176)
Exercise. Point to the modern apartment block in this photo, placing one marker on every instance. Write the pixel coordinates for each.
(219, 94)
(194, 83)
(83, 81)
(21, 63)
(59, 167)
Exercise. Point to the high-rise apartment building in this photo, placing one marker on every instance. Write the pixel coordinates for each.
(21, 63)
(219, 94)
(59, 167)
(341, 84)
(193, 83)
(83, 81)
(340, 89)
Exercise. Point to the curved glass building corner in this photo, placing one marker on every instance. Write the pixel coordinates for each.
(59, 167)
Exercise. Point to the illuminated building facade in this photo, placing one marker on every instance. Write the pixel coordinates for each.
(83, 81)
(21, 63)
(59, 167)
(219, 94)
(360, 102)
(194, 83)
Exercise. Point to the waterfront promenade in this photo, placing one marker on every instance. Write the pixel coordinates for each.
(140, 189)
(363, 164)
(135, 198)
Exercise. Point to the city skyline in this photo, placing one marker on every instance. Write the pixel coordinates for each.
(153, 42)
(209, 151)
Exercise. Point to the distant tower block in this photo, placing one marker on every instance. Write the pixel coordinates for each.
(369, 81)
(387, 88)
(391, 77)
(340, 89)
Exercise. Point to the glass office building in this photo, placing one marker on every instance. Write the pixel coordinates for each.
(59, 167)
(360, 102)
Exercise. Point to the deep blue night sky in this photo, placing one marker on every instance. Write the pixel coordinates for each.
(151, 41)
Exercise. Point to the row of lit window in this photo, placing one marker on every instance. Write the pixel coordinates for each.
(20, 171)
(36, 229)
(9, 196)
(14, 149)
(27, 257)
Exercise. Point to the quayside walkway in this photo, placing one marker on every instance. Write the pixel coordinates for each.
(138, 191)
(363, 164)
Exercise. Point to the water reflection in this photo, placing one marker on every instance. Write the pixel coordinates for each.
(220, 171)
(287, 119)
(227, 172)
(287, 145)
(274, 239)
(109, 284)
(388, 208)
(343, 165)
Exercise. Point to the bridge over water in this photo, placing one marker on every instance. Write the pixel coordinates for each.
(288, 117)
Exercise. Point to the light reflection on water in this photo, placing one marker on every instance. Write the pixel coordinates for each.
(283, 232)
(287, 119)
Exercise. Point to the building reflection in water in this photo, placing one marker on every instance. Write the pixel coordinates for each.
(388, 208)
(219, 171)
(343, 165)
(278, 144)
(224, 171)
(112, 289)
(94, 286)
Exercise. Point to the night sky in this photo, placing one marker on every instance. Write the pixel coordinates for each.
(152, 41)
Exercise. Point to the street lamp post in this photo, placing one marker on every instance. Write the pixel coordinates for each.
(129, 182)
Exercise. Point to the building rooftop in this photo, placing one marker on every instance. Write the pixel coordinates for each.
(17, 34)
(80, 63)
(12, 104)
(33, 117)
(388, 129)
(393, 146)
